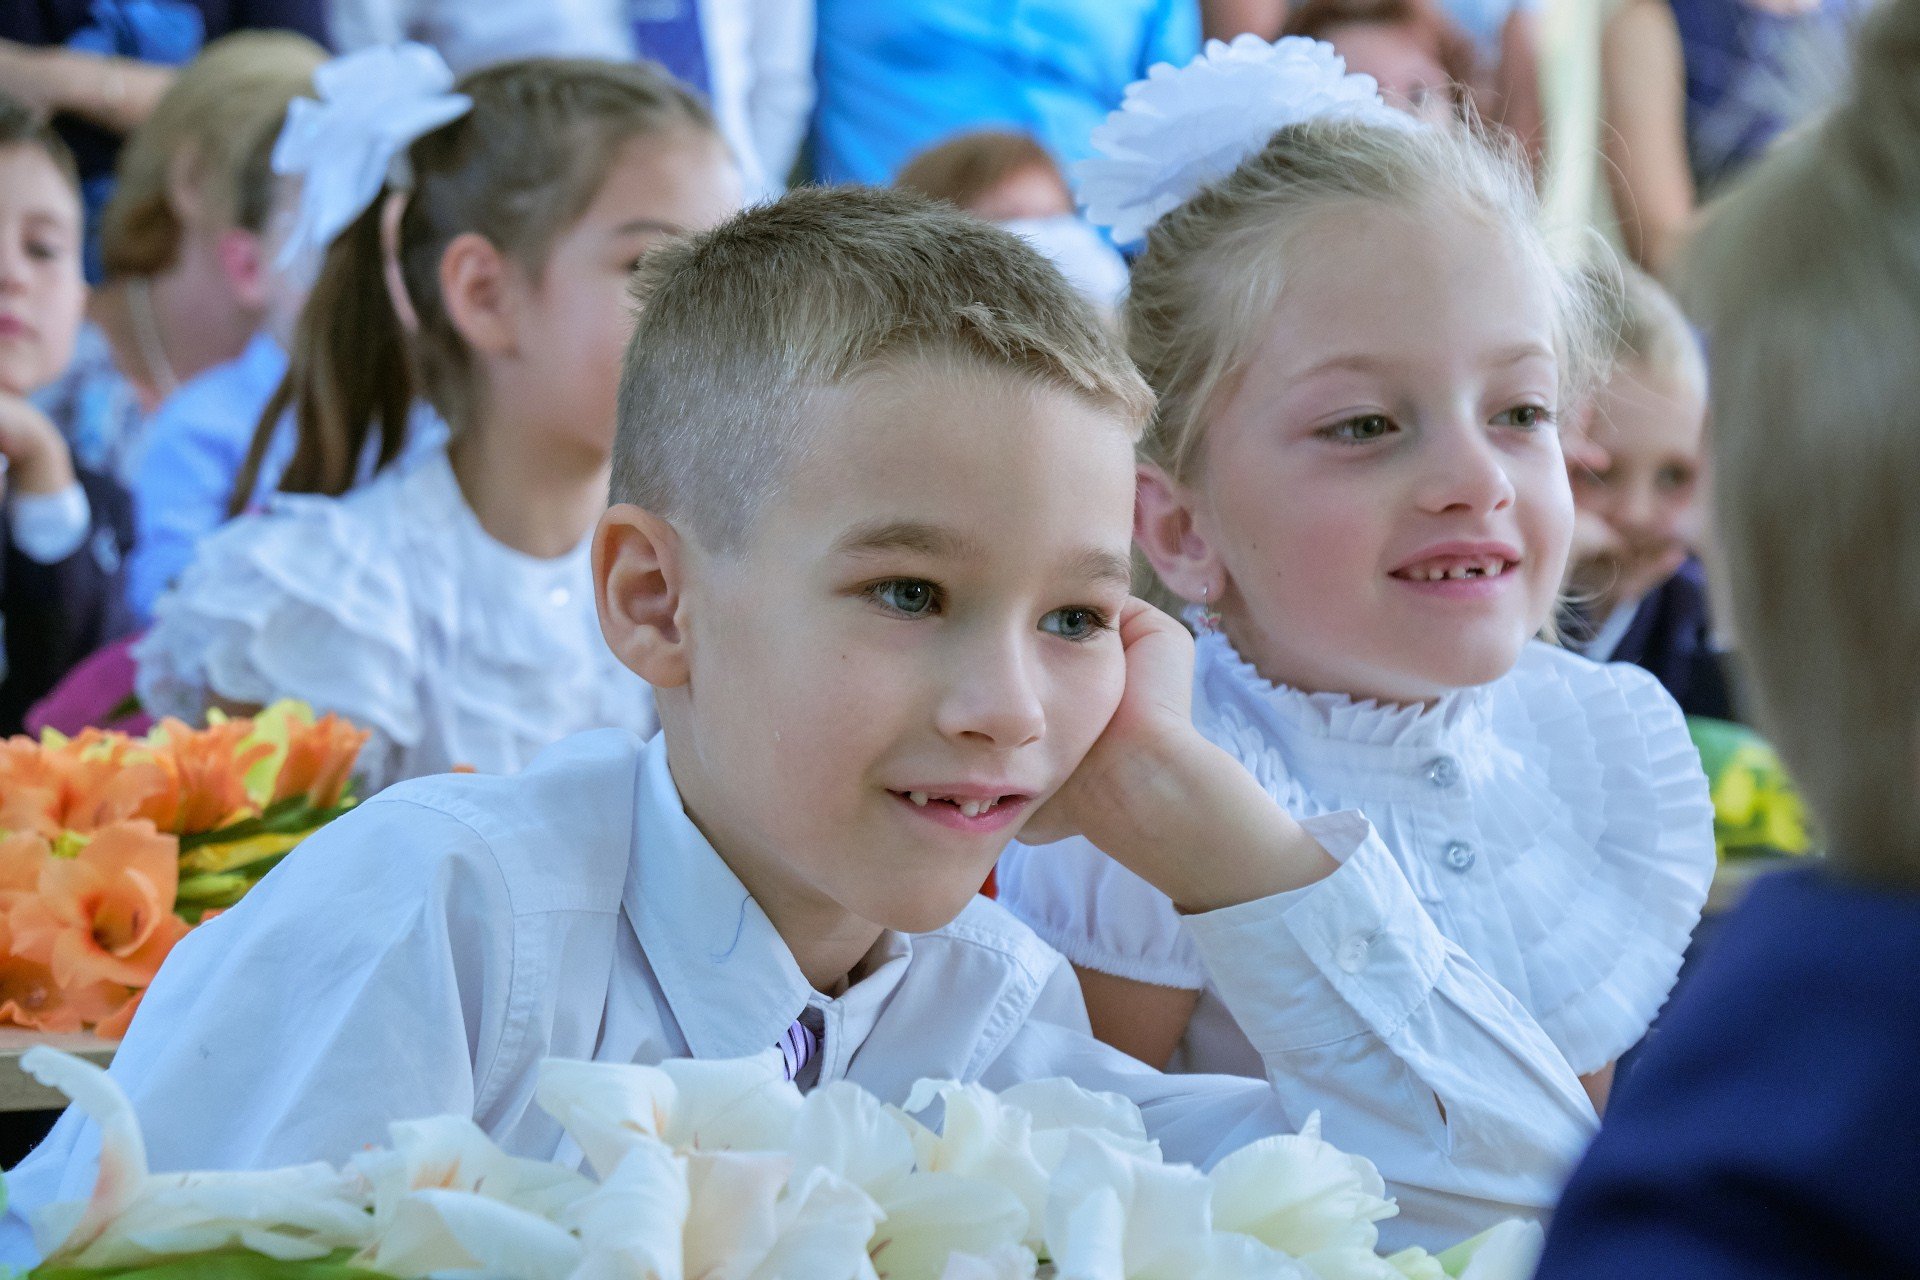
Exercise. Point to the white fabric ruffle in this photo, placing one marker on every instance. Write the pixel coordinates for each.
(395, 609)
(1555, 824)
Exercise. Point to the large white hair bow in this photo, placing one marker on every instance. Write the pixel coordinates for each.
(372, 106)
(1183, 128)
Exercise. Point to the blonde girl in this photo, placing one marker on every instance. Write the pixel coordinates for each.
(447, 606)
(1361, 347)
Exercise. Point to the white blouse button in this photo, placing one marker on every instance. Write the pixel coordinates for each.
(1458, 855)
(1352, 955)
(1443, 771)
(559, 597)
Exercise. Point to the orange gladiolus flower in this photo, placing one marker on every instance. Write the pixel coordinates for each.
(105, 915)
(81, 785)
(204, 775)
(319, 759)
(30, 997)
(114, 1025)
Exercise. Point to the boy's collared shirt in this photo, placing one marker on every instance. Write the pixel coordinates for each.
(424, 954)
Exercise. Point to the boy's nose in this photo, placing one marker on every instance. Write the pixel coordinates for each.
(993, 696)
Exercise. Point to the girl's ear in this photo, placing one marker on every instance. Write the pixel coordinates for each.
(477, 293)
(1168, 531)
(638, 584)
(243, 260)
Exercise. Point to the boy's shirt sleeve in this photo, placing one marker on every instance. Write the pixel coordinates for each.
(1363, 1012)
(364, 981)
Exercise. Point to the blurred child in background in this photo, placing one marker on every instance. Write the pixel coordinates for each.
(447, 606)
(63, 532)
(1009, 178)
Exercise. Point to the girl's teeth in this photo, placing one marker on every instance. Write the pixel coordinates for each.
(972, 808)
(918, 797)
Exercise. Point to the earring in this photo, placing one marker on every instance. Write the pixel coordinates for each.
(1209, 616)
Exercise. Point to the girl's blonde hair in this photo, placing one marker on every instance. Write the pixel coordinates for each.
(207, 126)
(1214, 268)
(518, 169)
(1808, 282)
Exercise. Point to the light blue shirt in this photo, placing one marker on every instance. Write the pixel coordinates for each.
(192, 454)
(1486, 20)
(896, 78)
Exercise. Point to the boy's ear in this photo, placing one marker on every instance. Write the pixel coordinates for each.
(1169, 535)
(638, 563)
(243, 260)
(475, 289)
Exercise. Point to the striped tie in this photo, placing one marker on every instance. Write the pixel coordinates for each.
(801, 1045)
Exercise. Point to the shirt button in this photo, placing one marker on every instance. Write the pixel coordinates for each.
(1352, 955)
(1443, 771)
(559, 597)
(1458, 855)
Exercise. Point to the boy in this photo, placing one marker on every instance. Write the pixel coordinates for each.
(59, 567)
(870, 547)
(1770, 1129)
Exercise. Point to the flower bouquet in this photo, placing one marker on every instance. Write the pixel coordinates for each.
(112, 847)
(723, 1169)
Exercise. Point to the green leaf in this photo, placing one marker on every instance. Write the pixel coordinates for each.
(225, 1264)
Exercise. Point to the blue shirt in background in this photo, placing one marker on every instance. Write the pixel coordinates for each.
(898, 77)
(194, 446)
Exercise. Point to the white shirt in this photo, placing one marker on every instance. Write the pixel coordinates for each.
(393, 607)
(1553, 825)
(759, 56)
(424, 953)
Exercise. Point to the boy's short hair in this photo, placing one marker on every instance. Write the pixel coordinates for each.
(1808, 282)
(736, 326)
(20, 127)
(211, 121)
(1644, 325)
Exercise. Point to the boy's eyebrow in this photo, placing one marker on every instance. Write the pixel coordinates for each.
(935, 542)
(641, 226)
(1103, 567)
(912, 536)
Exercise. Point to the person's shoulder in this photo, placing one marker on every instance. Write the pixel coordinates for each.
(559, 833)
(1552, 682)
(987, 939)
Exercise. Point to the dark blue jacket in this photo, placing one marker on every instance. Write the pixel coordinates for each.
(1772, 1128)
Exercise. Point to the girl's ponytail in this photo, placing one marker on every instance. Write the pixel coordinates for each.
(347, 379)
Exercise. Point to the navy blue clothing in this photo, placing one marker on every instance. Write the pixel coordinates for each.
(53, 615)
(1671, 636)
(1753, 75)
(1771, 1130)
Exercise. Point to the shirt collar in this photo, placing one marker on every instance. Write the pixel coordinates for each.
(728, 976)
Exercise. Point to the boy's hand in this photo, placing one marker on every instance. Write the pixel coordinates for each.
(37, 460)
(1161, 800)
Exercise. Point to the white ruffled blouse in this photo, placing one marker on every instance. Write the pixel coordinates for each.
(1554, 824)
(393, 607)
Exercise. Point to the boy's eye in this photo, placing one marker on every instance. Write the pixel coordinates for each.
(1672, 479)
(1527, 417)
(1368, 426)
(1075, 623)
(909, 597)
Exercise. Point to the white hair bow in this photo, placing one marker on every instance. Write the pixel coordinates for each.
(372, 106)
(1183, 128)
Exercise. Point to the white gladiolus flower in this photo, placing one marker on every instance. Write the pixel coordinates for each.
(133, 1216)
(740, 1104)
(1008, 1263)
(632, 1226)
(1017, 1139)
(930, 1214)
(723, 1171)
(1300, 1194)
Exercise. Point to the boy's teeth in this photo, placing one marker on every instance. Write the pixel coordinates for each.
(918, 797)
